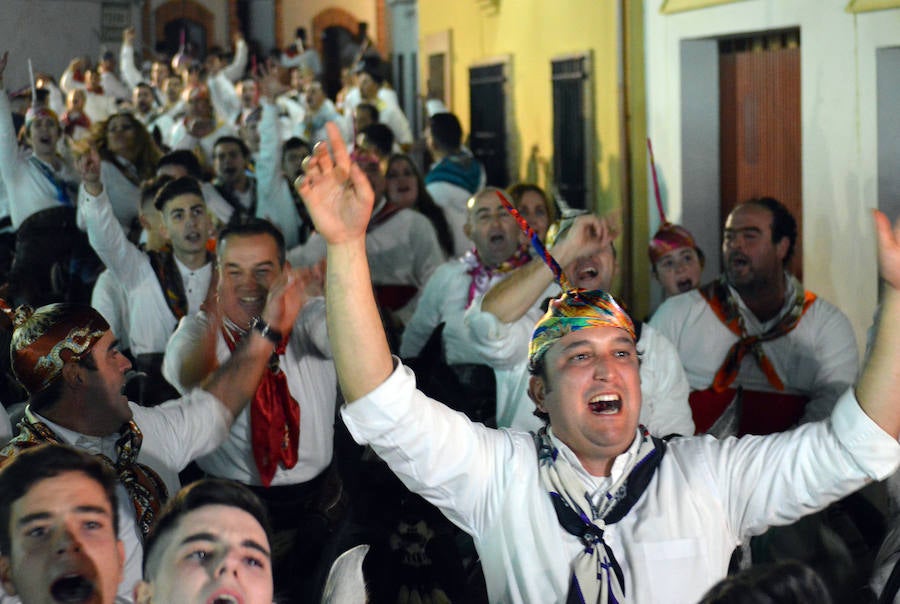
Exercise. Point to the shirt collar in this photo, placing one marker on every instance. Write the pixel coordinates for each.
(597, 484)
(92, 444)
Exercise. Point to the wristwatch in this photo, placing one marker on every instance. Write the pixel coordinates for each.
(266, 331)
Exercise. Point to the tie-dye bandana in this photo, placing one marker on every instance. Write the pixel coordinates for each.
(575, 310)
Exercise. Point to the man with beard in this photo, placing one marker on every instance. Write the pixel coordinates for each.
(500, 324)
(59, 522)
(233, 179)
(756, 328)
(161, 285)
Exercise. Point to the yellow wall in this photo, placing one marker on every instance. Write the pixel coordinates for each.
(533, 32)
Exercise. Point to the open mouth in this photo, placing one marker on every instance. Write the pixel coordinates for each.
(72, 588)
(252, 304)
(224, 598)
(497, 238)
(684, 285)
(605, 404)
(193, 237)
(737, 261)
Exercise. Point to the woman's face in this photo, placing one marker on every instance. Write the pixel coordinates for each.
(402, 185)
(121, 136)
(534, 210)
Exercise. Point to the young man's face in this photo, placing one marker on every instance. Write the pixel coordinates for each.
(592, 392)
(594, 270)
(492, 229)
(173, 86)
(187, 223)
(291, 161)
(679, 271)
(752, 259)
(248, 265)
(315, 96)
(64, 546)
(229, 163)
(142, 98)
(215, 553)
(43, 134)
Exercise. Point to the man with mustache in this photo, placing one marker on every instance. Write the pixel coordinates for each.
(58, 528)
(755, 327)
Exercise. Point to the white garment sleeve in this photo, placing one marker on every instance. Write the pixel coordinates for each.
(664, 386)
(275, 201)
(224, 97)
(183, 343)
(5, 427)
(11, 165)
(235, 70)
(106, 236)
(837, 357)
(427, 315)
(309, 253)
(130, 72)
(500, 345)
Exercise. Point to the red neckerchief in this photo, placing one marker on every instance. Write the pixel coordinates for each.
(274, 414)
(718, 295)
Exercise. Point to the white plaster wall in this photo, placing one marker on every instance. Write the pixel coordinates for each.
(839, 131)
(300, 14)
(51, 33)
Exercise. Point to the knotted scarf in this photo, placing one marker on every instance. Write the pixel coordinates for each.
(720, 299)
(274, 414)
(596, 574)
(166, 270)
(484, 277)
(144, 486)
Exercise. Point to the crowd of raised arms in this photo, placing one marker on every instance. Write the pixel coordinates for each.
(262, 345)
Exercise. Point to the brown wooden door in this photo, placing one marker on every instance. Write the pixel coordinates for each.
(759, 88)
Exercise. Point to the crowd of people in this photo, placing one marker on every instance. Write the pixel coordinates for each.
(247, 332)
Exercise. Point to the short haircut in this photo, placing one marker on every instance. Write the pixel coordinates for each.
(446, 132)
(209, 491)
(150, 188)
(783, 222)
(784, 581)
(144, 85)
(33, 465)
(371, 109)
(179, 186)
(252, 226)
(222, 140)
(183, 158)
(380, 137)
(295, 142)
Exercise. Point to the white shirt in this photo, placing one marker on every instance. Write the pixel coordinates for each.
(504, 346)
(124, 195)
(311, 380)
(150, 321)
(28, 189)
(5, 426)
(706, 497)
(174, 434)
(110, 299)
(276, 203)
(817, 359)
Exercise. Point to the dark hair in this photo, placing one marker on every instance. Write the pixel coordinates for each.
(380, 137)
(44, 399)
(446, 132)
(172, 189)
(371, 109)
(183, 158)
(151, 186)
(33, 465)
(426, 205)
(295, 142)
(518, 190)
(539, 369)
(252, 226)
(779, 583)
(783, 222)
(144, 85)
(245, 150)
(208, 491)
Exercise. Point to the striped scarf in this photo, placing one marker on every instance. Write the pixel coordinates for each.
(720, 299)
(484, 277)
(596, 574)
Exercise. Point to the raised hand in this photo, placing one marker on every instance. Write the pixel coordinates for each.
(888, 249)
(587, 234)
(269, 83)
(128, 35)
(336, 193)
(287, 295)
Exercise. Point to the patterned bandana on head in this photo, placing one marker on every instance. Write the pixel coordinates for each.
(46, 338)
(668, 238)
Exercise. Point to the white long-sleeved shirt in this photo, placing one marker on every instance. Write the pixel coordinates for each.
(706, 497)
(28, 189)
(817, 359)
(276, 204)
(150, 320)
(504, 346)
(311, 381)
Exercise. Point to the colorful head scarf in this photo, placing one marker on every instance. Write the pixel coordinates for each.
(669, 237)
(573, 311)
(45, 339)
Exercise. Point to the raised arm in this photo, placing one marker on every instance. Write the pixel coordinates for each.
(130, 72)
(339, 199)
(512, 297)
(880, 381)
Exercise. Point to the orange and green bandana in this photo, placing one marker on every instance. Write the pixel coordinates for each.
(572, 311)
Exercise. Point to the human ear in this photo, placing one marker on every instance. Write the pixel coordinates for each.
(536, 392)
(6, 575)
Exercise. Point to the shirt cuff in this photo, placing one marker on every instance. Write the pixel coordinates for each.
(381, 409)
(876, 451)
